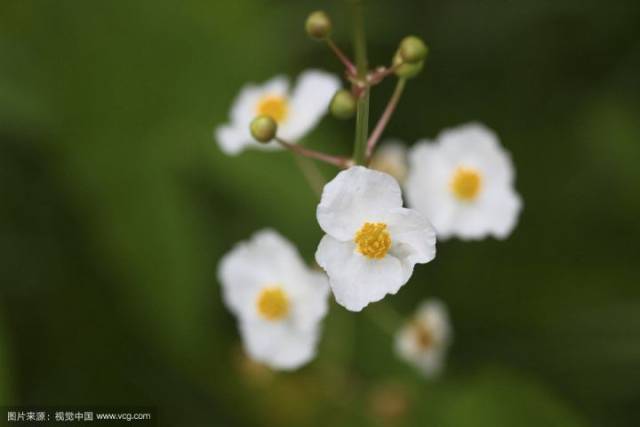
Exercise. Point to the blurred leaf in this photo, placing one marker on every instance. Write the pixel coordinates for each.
(497, 398)
(612, 136)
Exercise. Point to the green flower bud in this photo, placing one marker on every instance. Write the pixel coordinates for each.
(263, 128)
(343, 105)
(318, 25)
(406, 70)
(412, 49)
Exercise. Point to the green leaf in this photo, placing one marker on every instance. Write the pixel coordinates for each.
(496, 398)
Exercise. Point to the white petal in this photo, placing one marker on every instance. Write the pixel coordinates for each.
(354, 197)
(413, 238)
(279, 345)
(310, 303)
(309, 102)
(232, 140)
(239, 283)
(434, 316)
(355, 279)
(427, 185)
(505, 214)
(432, 166)
(429, 362)
(496, 215)
(235, 136)
(475, 145)
(244, 107)
(266, 259)
(391, 158)
(405, 343)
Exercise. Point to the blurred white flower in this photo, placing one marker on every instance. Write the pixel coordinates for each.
(464, 184)
(424, 340)
(278, 300)
(391, 158)
(372, 242)
(296, 113)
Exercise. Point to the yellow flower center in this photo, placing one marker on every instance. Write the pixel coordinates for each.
(373, 240)
(273, 303)
(273, 106)
(466, 183)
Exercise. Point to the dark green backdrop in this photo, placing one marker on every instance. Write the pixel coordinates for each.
(115, 205)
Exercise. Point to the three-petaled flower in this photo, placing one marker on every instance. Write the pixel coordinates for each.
(372, 243)
(423, 341)
(278, 301)
(296, 113)
(464, 184)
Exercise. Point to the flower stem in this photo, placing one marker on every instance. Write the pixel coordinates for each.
(386, 317)
(351, 69)
(381, 73)
(386, 115)
(340, 162)
(311, 173)
(362, 115)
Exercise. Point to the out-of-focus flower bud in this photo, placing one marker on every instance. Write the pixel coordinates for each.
(404, 69)
(343, 105)
(413, 50)
(263, 128)
(318, 25)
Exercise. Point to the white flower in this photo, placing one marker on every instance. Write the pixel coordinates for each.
(296, 113)
(278, 300)
(391, 158)
(464, 184)
(372, 242)
(423, 341)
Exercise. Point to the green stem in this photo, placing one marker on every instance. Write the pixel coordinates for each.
(362, 125)
(311, 173)
(362, 116)
(386, 317)
(341, 162)
(384, 119)
(359, 39)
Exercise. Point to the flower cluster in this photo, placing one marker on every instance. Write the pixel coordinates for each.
(459, 185)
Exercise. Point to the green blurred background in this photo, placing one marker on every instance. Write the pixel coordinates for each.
(116, 205)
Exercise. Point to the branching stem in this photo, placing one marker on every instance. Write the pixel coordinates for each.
(351, 69)
(386, 115)
(340, 162)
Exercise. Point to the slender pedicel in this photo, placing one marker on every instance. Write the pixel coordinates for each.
(341, 162)
(386, 115)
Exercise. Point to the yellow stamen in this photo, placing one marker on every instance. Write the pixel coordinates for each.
(423, 335)
(273, 303)
(373, 240)
(466, 183)
(273, 106)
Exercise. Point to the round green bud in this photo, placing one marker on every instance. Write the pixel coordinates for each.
(412, 49)
(318, 25)
(343, 105)
(263, 128)
(404, 69)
